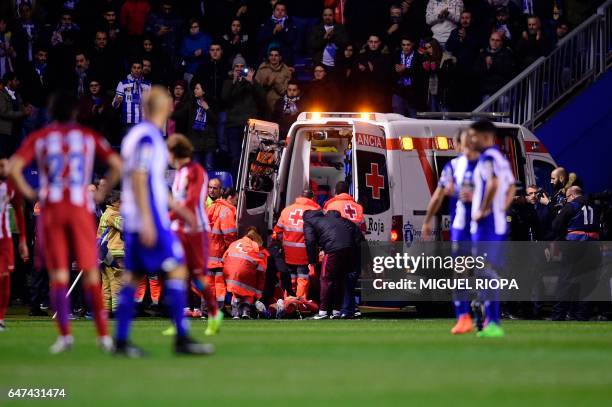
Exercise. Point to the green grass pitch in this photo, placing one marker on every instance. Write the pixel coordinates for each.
(289, 363)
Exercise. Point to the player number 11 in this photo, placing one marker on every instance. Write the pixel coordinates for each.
(587, 211)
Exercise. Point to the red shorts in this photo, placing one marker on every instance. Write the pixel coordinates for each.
(7, 256)
(193, 246)
(69, 232)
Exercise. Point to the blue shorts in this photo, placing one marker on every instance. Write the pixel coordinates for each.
(490, 245)
(460, 235)
(166, 255)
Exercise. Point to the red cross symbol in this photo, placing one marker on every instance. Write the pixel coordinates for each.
(350, 211)
(296, 216)
(375, 181)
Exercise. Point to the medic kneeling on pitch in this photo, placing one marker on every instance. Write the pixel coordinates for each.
(244, 267)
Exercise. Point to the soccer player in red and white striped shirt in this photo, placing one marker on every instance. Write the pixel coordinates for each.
(8, 196)
(189, 191)
(65, 154)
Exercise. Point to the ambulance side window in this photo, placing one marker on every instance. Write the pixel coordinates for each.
(541, 171)
(373, 182)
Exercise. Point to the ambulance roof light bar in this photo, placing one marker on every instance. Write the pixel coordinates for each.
(336, 115)
(463, 115)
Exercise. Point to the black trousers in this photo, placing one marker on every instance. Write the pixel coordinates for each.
(334, 271)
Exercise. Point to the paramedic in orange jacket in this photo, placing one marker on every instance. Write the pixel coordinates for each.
(351, 210)
(244, 264)
(290, 228)
(222, 217)
(345, 204)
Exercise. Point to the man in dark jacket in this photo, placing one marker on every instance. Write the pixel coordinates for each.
(212, 73)
(166, 25)
(533, 44)
(104, 62)
(464, 43)
(326, 39)
(494, 66)
(35, 90)
(374, 73)
(12, 112)
(542, 205)
(280, 32)
(339, 239)
(408, 80)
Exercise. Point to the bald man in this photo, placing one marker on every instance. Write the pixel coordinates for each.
(561, 180)
(214, 191)
(151, 246)
(558, 178)
(577, 221)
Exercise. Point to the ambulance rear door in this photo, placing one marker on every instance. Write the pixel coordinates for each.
(539, 163)
(257, 173)
(371, 179)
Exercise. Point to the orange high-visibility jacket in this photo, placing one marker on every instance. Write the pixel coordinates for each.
(291, 225)
(348, 208)
(222, 219)
(244, 267)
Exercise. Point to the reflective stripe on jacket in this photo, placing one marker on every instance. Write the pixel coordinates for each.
(291, 226)
(222, 218)
(244, 266)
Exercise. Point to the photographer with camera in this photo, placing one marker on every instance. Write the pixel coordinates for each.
(541, 203)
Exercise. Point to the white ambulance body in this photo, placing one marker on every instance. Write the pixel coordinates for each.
(392, 164)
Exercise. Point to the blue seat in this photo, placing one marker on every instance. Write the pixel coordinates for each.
(225, 177)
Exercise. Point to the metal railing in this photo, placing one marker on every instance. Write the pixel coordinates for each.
(581, 56)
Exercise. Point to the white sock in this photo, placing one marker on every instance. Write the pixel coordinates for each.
(335, 313)
(322, 313)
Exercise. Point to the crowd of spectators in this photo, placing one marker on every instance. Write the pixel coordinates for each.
(226, 61)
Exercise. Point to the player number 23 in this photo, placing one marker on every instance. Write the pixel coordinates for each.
(57, 166)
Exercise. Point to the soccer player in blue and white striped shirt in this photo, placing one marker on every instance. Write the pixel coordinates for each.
(150, 244)
(129, 96)
(493, 193)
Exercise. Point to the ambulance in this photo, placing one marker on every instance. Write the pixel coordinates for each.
(392, 164)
